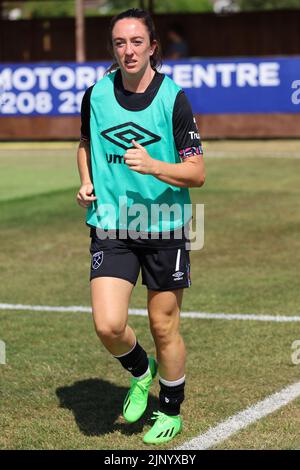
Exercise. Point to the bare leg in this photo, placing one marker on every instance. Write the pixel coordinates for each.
(164, 310)
(110, 301)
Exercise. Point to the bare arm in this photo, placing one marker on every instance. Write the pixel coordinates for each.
(84, 195)
(188, 174)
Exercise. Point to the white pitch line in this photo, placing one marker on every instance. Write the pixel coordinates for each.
(239, 421)
(45, 308)
(143, 312)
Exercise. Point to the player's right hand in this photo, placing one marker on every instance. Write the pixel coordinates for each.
(85, 195)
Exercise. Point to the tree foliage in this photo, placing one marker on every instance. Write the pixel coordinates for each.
(50, 9)
(248, 5)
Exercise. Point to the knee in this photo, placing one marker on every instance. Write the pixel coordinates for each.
(163, 331)
(109, 330)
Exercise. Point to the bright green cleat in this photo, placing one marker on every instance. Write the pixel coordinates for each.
(136, 399)
(164, 429)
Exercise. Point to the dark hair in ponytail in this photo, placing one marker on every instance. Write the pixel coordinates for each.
(144, 16)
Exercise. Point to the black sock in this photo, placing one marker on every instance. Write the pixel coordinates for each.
(170, 398)
(136, 361)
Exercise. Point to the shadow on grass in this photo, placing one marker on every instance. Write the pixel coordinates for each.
(97, 405)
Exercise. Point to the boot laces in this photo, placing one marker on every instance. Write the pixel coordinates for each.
(138, 389)
(160, 416)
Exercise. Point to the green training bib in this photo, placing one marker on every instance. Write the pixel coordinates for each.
(126, 199)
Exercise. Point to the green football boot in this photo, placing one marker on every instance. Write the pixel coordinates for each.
(136, 399)
(164, 429)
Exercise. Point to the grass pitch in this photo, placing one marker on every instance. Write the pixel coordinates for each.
(61, 390)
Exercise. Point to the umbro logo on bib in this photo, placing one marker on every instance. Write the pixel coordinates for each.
(123, 134)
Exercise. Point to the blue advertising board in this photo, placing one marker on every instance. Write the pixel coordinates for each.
(213, 86)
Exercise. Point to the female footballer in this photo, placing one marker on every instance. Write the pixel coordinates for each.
(139, 153)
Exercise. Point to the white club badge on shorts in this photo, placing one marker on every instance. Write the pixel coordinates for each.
(97, 259)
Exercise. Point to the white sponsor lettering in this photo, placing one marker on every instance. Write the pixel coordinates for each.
(227, 74)
(194, 135)
(296, 94)
(60, 78)
(23, 79)
(43, 74)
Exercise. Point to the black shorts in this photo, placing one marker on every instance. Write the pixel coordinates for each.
(163, 268)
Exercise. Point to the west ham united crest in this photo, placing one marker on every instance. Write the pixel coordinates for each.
(97, 259)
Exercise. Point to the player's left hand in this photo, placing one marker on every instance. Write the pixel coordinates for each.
(139, 160)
